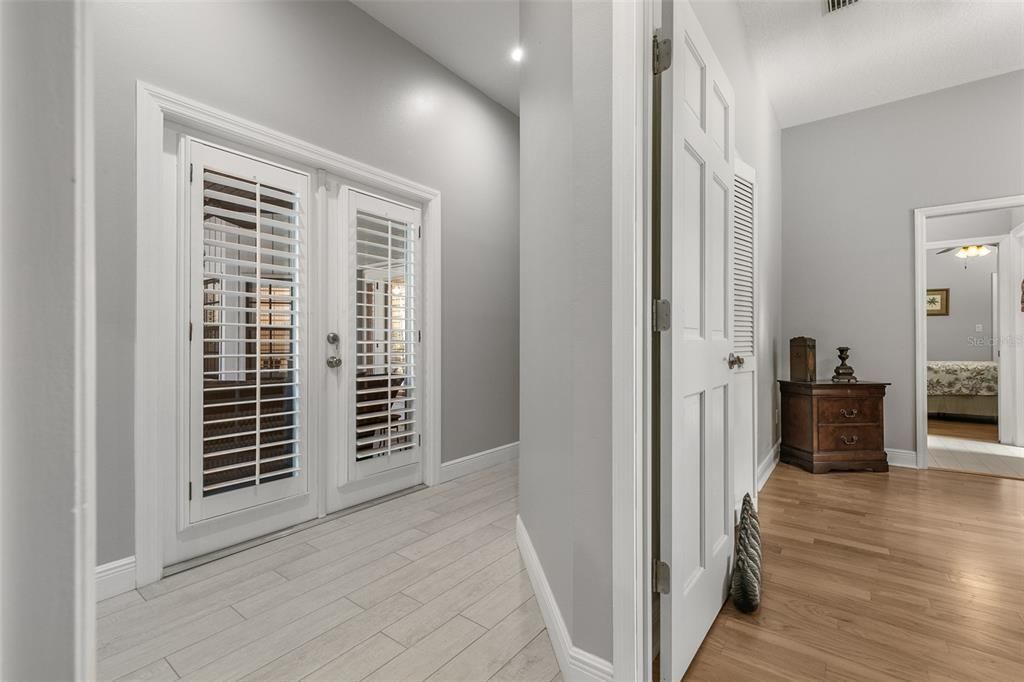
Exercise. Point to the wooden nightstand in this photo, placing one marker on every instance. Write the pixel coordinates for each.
(828, 426)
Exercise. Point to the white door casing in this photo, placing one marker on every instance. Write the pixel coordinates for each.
(695, 472)
(1011, 366)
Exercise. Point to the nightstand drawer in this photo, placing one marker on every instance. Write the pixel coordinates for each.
(849, 410)
(839, 438)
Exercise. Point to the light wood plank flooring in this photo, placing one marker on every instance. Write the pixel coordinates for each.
(427, 586)
(910, 575)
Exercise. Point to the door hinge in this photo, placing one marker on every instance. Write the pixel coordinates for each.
(189, 331)
(419, 232)
(419, 439)
(419, 336)
(190, 169)
(662, 54)
(190, 491)
(662, 315)
(662, 577)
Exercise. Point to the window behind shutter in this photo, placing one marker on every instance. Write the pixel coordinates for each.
(251, 286)
(386, 325)
(743, 268)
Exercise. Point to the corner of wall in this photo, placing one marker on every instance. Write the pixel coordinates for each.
(577, 665)
(114, 578)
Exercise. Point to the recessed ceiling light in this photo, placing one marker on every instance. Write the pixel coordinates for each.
(517, 54)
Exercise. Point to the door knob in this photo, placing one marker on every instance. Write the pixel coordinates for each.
(333, 361)
(735, 360)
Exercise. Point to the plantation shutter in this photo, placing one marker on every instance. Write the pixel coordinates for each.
(248, 265)
(743, 268)
(387, 333)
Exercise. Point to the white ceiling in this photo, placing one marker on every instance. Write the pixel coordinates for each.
(815, 65)
(473, 38)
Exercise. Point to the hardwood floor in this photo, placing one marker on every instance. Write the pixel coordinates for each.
(426, 586)
(910, 575)
(988, 433)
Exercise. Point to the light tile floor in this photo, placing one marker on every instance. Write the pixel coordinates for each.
(961, 454)
(427, 586)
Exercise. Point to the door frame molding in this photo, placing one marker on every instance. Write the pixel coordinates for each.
(85, 379)
(632, 28)
(154, 434)
(921, 216)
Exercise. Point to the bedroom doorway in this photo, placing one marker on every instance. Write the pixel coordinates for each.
(970, 317)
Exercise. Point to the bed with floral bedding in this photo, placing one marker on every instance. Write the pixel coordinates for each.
(963, 390)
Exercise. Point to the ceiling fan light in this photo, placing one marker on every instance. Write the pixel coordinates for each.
(973, 251)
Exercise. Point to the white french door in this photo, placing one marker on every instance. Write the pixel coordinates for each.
(374, 392)
(302, 388)
(247, 295)
(696, 489)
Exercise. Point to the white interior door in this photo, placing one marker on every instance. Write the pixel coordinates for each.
(374, 397)
(696, 495)
(743, 384)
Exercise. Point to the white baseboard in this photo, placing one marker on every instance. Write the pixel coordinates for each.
(902, 458)
(767, 466)
(479, 460)
(114, 578)
(577, 665)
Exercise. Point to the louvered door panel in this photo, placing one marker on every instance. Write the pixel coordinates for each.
(386, 325)
(248, 264)
(743, 268)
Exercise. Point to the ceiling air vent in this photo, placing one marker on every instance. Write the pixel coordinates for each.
(833, 5)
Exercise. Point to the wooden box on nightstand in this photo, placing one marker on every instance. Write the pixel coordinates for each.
(828, 426)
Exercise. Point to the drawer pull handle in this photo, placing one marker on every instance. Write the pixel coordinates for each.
(849, 440)
(849, 414)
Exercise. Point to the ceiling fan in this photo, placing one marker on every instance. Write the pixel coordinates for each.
(969, 251)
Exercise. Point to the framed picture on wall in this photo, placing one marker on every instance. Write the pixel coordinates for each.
(936, 302)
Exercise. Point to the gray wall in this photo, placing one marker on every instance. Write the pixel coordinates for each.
(565, 259)
(37, 283)
(970, 304)
(850, 185)
(758, 143)
(346, 83)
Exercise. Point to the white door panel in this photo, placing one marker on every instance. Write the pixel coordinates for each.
(246, 458)
(248, 397)
(697, 491)
(374, 400)
(744, 337)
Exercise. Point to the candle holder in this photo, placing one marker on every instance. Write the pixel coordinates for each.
(844, 373)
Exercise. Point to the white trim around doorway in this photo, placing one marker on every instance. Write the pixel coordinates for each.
(157, 435)
(632, 26)
(921, 244)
